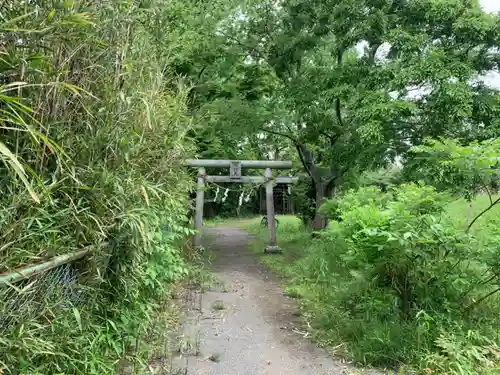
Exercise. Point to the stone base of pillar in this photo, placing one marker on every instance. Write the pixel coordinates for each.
(273, 250)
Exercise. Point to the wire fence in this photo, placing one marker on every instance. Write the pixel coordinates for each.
(51, 291)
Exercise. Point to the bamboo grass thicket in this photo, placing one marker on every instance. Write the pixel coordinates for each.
(92, 142)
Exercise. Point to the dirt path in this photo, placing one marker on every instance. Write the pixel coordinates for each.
(248, 326)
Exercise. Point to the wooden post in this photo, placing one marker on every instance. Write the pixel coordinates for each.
(271, 219)
(200, 201)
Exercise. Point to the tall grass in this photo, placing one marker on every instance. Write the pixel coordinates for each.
(92, 141)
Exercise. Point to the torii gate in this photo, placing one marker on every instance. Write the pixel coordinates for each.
(235, 167)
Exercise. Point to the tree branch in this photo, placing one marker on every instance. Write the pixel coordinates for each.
(373, 53)
(253, 49)
(307, 160)
(337, 102)
(303, 161)
(490, 279)
(482, 213)
(337, 175)
(280, 134)
(487, 191)
(332, 138)
(482, 298)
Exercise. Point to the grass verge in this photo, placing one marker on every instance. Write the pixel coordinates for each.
(292, 237)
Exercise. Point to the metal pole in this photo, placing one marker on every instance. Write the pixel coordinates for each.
(200, 201)
(35, 269)
(271, 220)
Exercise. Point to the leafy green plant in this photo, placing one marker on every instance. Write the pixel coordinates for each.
(218, 305)
(465, 353)
(467, 170)
(400, 256)
(293, 292)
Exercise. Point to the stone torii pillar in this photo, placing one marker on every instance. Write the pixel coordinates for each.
(271, 218)
(235, 167)
(200, 202)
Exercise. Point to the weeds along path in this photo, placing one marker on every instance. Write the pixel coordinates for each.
(247, 326)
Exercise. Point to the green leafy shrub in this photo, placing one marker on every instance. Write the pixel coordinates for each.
(396, 273)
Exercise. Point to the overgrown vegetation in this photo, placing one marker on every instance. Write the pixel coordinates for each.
(93, 131)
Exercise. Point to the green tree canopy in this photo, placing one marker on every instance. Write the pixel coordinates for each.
(350, 84)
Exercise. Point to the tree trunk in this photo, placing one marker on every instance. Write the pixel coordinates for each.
(323, 187)
(323, 192)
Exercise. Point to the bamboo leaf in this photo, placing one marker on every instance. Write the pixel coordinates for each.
(148, 113)
(145, 194)
(14, 20)
(78, 318)
(10, 159)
